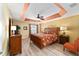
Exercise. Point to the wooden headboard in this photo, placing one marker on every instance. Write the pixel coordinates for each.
(51, 30)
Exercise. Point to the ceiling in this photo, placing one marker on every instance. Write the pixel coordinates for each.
(44, 9)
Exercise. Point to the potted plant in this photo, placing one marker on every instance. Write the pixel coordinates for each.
(17, 29)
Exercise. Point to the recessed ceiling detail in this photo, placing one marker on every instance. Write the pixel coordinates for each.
(59, 13)
(46, 11)
(24, 9)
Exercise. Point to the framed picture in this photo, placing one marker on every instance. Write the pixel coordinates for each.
(25, 27)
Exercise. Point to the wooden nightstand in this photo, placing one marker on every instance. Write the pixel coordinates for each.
(63, 39)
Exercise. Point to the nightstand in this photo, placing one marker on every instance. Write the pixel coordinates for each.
(63, 39)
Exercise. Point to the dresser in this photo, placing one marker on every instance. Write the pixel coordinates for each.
(63, 39)
(15, 44)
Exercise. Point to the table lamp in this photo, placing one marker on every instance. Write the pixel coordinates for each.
(13, 28)
(63, 28)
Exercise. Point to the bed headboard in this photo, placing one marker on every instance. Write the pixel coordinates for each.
(52, 30)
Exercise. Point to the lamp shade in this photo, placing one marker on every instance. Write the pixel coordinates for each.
(63, 28)
(13, 27)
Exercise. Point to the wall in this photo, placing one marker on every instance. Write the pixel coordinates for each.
(5, 24)
(1, 26)
(24, 33)
(71, 22)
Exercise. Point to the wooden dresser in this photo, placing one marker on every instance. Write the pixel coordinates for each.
(15, 44)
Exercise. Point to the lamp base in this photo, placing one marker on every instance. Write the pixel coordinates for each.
(13, 32)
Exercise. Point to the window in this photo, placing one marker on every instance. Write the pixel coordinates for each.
(33, 28)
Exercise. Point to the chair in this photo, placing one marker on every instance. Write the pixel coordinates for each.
(72, 47)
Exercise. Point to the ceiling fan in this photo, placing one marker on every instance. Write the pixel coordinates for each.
(59, 14)
(40, 17)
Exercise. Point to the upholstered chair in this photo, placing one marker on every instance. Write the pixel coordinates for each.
(72, 47)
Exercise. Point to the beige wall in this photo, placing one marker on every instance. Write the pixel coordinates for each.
(24, 33)
(6, 29)
(71, 22)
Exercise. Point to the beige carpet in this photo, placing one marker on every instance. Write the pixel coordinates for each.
(55, 49)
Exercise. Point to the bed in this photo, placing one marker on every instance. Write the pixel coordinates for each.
(49, 36)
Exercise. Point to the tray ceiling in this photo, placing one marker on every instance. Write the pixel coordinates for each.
(44, 9)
